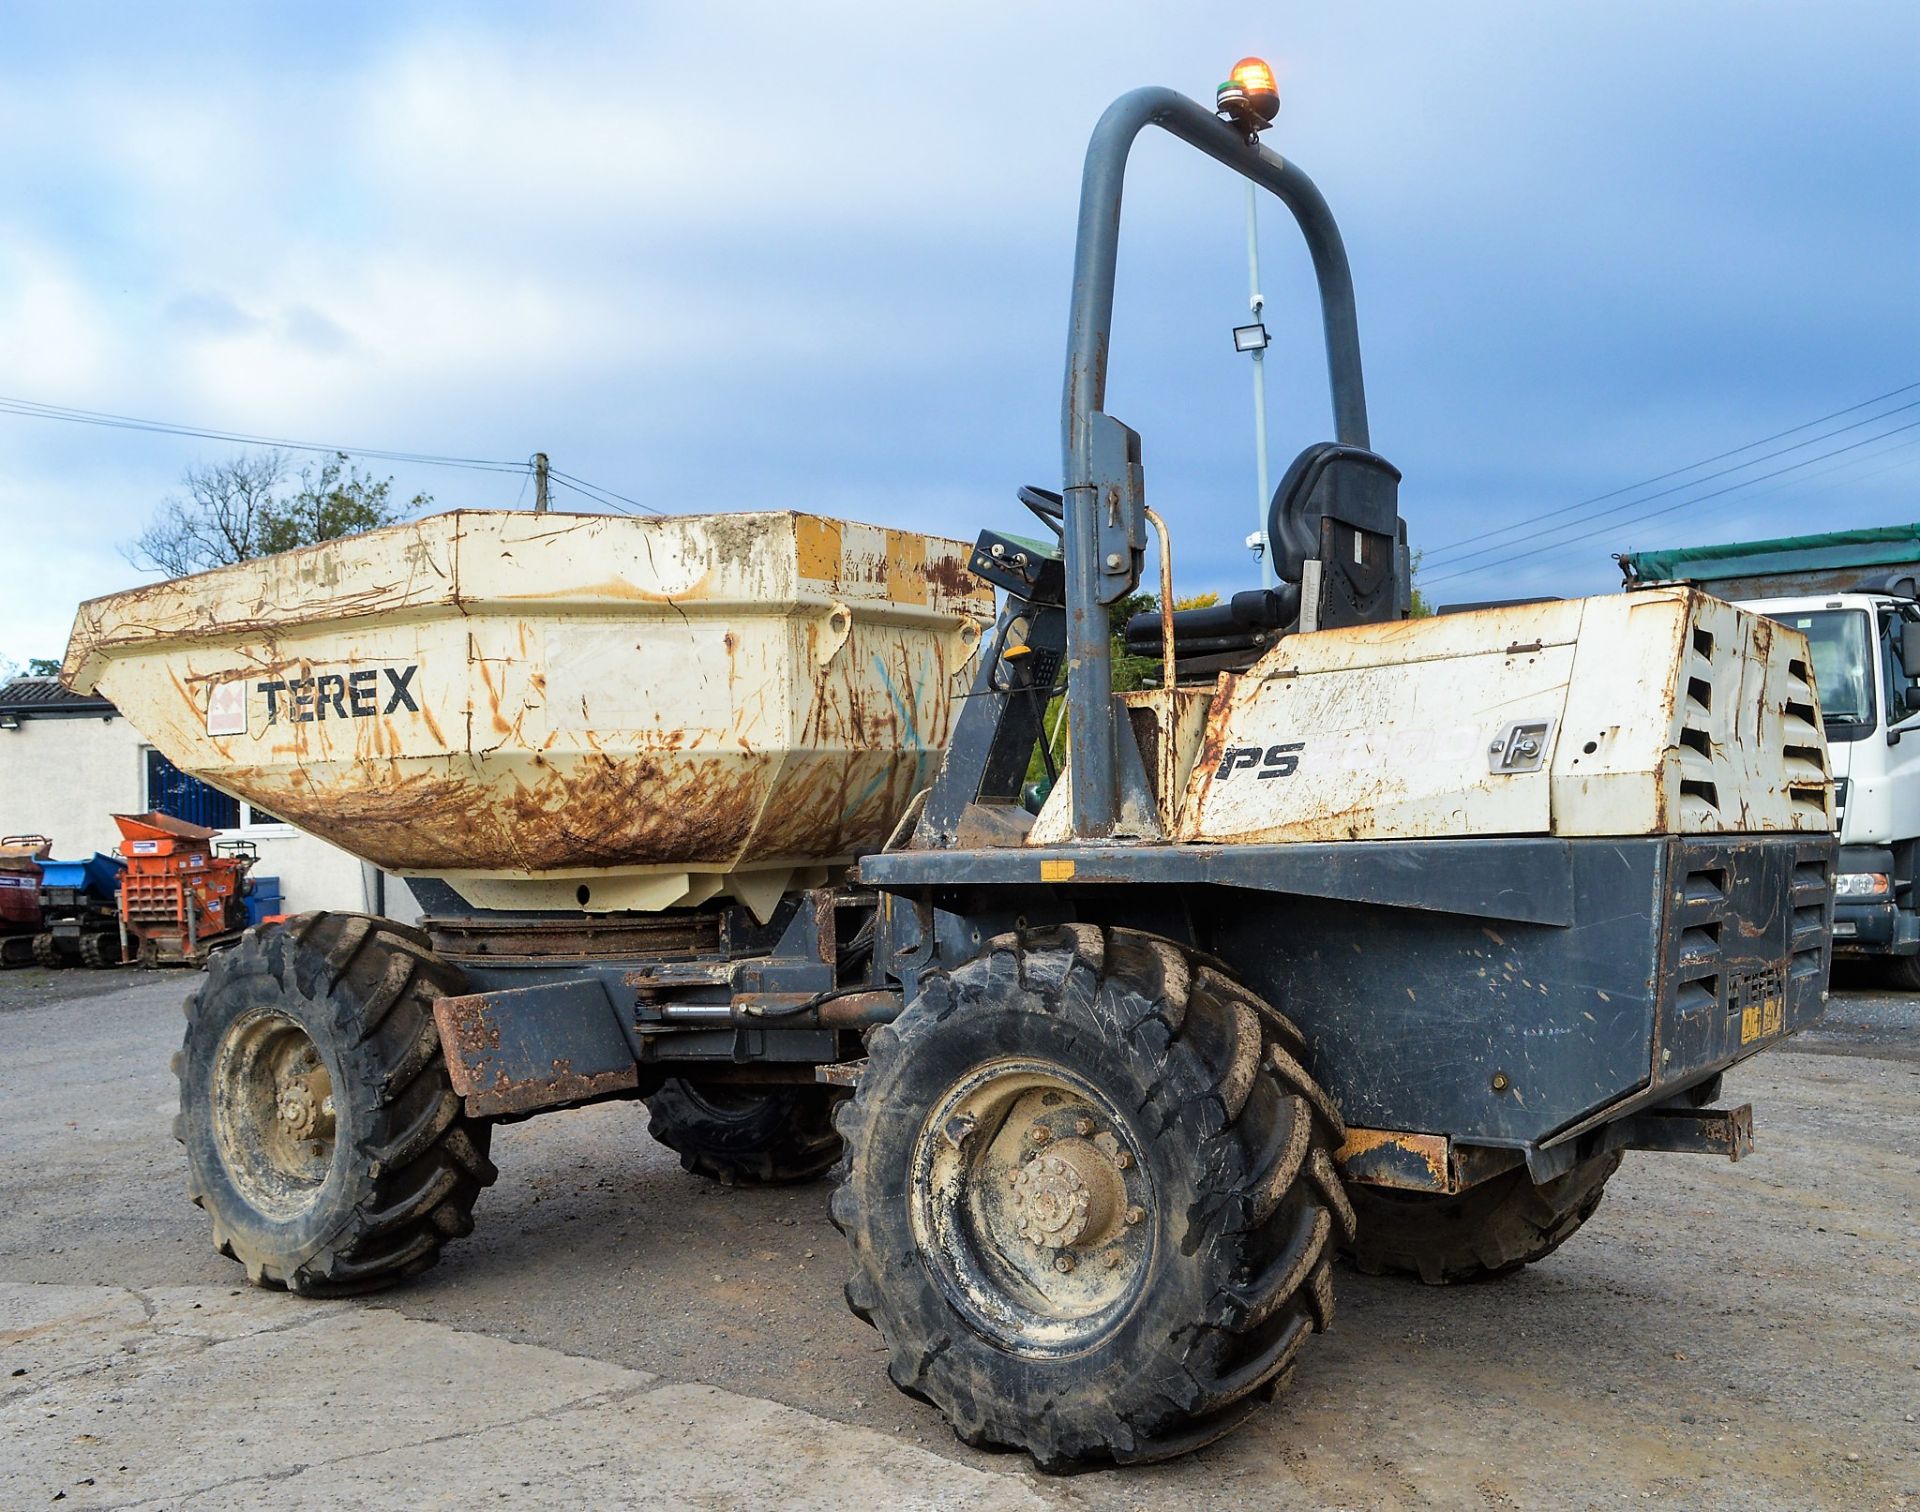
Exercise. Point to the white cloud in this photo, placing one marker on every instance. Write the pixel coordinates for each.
(54, 337)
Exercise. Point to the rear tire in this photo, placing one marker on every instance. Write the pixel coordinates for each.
(1091, 1198)
(323, 1136)
(1488, 1231)
(745, 1135)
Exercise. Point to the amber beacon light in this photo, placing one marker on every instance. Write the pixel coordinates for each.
(1249, 98)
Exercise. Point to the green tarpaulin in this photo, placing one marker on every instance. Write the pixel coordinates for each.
(1883, 545)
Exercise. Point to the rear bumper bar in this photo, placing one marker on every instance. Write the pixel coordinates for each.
(1434, 1163)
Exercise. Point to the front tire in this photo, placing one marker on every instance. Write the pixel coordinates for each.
(323, 1136)
(1901, 973)
(745, 1135)
(1486, 1232)
(1091, 1198)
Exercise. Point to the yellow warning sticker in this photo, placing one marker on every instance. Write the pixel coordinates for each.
(1056, 871)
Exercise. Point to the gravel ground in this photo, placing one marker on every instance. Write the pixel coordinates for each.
(1719, 1335)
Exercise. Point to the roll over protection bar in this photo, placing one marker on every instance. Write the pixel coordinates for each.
(1105, 499)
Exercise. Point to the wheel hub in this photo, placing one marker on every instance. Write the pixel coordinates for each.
(1068, 1196)
(273, 1112)
(1029, 1195)
(306, 1106)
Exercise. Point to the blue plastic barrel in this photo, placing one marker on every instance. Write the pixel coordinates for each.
(264, 900)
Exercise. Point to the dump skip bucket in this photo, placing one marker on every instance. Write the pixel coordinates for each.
(562, 711)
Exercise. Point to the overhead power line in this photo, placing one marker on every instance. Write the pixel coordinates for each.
(1446, 551)
(34, 410)
(1670, 508)
(605, 496)
(1664, 493)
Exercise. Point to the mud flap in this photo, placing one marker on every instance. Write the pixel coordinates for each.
(526, 1048)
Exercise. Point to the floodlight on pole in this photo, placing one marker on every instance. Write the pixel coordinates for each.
(1248, 101)
(1252, 339)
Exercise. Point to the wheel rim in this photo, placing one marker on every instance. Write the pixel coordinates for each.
(273, 1113)
(1033, 1205)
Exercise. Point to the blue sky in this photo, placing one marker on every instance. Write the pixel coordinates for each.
(721, 257)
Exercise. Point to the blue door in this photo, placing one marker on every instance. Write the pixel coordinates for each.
(172, 792)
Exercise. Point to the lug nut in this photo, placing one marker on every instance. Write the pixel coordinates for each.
(1039, 1133)
(1063, 1264)
(1123, 1158)
(1135, 1213)
(1083, 1127)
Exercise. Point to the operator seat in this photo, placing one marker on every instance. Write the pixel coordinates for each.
(1337, 504)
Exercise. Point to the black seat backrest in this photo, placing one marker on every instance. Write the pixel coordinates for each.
(1341, 505)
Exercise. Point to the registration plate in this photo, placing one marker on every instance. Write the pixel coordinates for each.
(1762, 1020)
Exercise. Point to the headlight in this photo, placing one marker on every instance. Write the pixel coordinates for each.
(1862, 885)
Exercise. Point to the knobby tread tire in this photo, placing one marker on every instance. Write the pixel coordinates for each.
(46, 952)
(99, 950)
(747, 1136)
(1486, 1232)
(1238, 1139)
(408, 1164)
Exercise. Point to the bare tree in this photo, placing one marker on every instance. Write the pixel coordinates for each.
(243, 507)
(218, 520)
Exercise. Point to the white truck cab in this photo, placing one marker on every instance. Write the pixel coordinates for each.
(1870, 707)
(1855, 595)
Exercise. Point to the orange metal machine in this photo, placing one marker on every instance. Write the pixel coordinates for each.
(179, 899)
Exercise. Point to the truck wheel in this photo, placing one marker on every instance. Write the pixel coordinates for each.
(100, 949)
(1901, 973)
(46, 952)
(1483, 1233)
(746, 1136)
(323, 1136)
(1091, 1198)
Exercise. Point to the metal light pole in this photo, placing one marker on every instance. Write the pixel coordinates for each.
(1257, 302)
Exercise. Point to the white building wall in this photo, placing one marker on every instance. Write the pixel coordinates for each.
(65, 778)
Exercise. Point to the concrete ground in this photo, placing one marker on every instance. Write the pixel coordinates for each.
(617, 1332)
